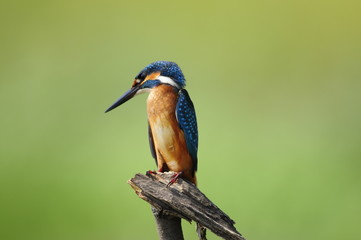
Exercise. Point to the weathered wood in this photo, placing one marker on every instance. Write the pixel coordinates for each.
(183, 200)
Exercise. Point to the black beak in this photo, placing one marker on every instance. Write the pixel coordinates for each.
(126, 96)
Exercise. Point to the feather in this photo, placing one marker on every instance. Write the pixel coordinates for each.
(186, 117)
(151, 144)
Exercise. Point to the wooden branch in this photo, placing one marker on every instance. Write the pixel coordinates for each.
(181, 200)
(168, 227)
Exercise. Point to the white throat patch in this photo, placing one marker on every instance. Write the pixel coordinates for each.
(168, 80)
(144, 90)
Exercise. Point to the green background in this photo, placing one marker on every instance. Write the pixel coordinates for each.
(276, 86)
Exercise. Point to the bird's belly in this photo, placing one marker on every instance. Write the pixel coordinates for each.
(170, 146)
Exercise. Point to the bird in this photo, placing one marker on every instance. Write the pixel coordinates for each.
(172, 122)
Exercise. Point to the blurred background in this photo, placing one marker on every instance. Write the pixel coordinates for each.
(276, 86)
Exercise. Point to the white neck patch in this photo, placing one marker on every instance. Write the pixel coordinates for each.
(168, 80)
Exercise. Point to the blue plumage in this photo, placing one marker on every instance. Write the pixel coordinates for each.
(187, 120)
(150, 84)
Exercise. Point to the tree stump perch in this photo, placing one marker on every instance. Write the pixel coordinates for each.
(181, 200)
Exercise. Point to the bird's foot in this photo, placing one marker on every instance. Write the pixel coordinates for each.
(150, 172)
(174, 178)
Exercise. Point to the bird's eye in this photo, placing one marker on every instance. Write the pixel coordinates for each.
(142, 76)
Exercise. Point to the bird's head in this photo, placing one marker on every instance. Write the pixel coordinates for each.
(155, 74)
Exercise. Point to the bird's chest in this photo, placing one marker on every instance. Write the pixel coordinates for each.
(161, 105)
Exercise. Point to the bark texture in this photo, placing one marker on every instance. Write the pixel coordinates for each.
(181, 200)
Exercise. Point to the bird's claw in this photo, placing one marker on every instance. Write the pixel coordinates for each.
(174, 178)
(150, 172)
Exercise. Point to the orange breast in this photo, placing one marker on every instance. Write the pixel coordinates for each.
(168, 138)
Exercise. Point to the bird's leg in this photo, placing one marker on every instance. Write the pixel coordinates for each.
(174, 178)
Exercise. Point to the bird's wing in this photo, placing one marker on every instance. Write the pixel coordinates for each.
(151, 144)
(187, 121)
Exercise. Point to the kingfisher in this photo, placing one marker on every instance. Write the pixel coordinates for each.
(172, 122)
